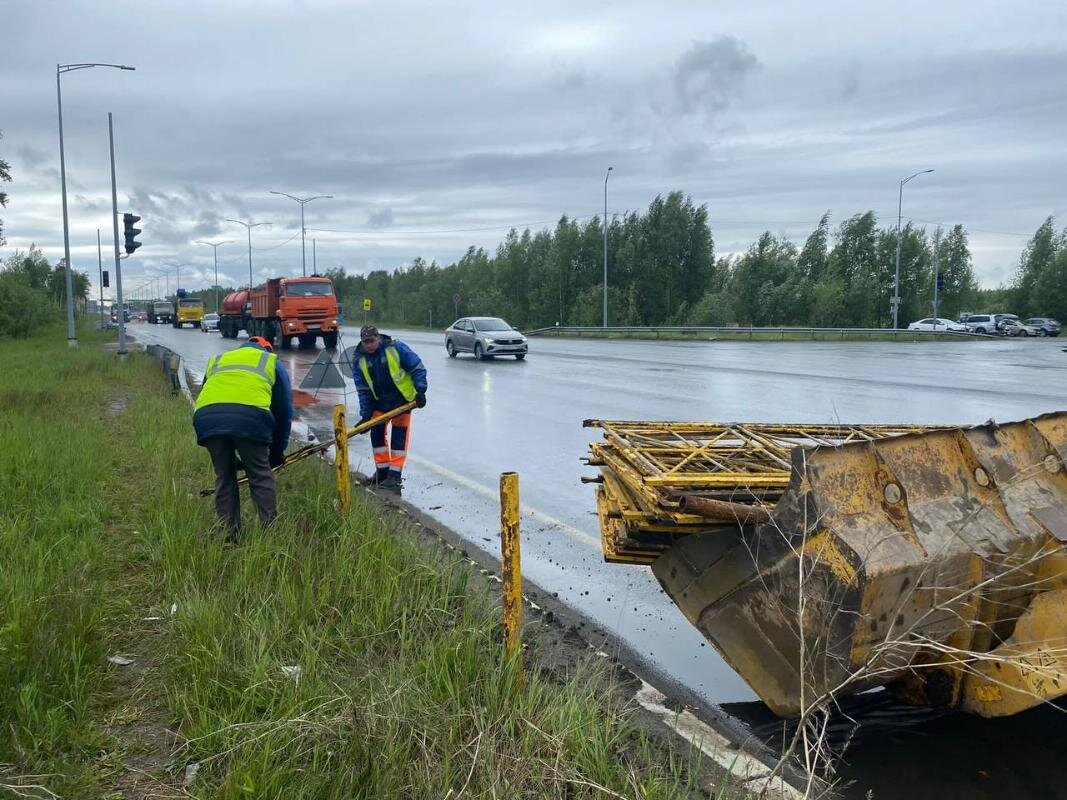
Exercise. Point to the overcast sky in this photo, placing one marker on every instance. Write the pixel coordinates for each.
(440, 125)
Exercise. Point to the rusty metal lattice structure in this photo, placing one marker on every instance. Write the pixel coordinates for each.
(654, 475)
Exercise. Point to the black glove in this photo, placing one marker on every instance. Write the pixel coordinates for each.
(277, 458)
(420, 399)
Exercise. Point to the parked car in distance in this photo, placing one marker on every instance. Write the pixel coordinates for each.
(991, 324)
(1011, 325)
(1046, 326)
(211, 321)
(937, 324)
(485, 337)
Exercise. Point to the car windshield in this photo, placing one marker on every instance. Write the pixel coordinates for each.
(212, 315)
(308, 289)
(491, 324)
(191, 303)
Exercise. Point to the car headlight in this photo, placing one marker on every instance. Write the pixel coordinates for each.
(490, 341)
(522, 339)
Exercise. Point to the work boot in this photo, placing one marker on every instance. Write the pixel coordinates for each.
(377, 479)
(393, 482)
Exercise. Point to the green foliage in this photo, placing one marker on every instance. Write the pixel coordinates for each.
(1040, 285)
(662, 270)
(28, 294)
(5, 177)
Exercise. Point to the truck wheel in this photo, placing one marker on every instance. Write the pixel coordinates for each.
(307, 341)
(286, 342)
(329, 340)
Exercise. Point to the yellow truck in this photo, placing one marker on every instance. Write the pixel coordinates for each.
(188, 310)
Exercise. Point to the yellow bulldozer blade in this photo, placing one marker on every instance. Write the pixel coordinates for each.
(825, 560)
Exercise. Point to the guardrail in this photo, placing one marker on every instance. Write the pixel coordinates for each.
(754, 332)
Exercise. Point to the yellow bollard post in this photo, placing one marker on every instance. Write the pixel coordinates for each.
(512, 569)
(340, 440)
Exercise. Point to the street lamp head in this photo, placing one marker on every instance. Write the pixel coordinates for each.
(124, 66)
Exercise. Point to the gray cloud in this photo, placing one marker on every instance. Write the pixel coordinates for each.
(380, 218)
(710, 74)
(463, 120)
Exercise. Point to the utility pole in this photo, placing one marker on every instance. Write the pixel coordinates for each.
(303, 230)
(606, 176)
(248, 227)
(100, 285)
(215, 249)
(72, 336)
(896, 279)
(121, 316)
(937, 271)
(314, 258)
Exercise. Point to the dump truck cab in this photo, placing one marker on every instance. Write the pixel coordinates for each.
(188, 310)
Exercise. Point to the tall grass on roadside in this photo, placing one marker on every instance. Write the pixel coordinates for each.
(326, 657)
(58, 456)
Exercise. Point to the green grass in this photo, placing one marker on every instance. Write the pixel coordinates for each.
(403, 689)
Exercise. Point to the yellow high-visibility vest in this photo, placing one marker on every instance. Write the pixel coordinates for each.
(244, 376)
(401, 377)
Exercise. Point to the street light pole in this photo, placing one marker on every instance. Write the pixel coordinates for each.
(896, 278)
(72, 336)
(215, 249)
(115, 226)
(100, 262)
(248, 227)
(303, 230)
(606, 176)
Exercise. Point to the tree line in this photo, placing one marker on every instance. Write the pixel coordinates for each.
(663, 270)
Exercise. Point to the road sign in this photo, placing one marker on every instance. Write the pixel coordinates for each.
(366, 304)
(455, 299)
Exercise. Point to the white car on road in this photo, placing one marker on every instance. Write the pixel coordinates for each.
(937, 324)
(211, 322)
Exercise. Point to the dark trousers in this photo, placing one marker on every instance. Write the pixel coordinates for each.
(256, 457)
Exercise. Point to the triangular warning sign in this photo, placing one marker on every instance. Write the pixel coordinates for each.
(323, 374)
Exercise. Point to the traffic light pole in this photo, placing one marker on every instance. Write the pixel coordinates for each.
(121, 315)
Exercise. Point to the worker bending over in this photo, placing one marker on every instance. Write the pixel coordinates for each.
(387, 374)
(245, 410)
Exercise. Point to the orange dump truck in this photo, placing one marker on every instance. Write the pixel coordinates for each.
(281, 309)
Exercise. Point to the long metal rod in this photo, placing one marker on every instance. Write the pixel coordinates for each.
(115, 226)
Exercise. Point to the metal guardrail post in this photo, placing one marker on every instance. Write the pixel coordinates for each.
(340, 439)
(511, 569)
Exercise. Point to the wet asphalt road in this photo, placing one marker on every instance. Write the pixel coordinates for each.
(484, 418)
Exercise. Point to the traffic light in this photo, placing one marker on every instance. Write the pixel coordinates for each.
(940, 282)
(106, 284)
(128, 221)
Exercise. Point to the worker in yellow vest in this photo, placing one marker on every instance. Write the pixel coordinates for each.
(387, 374)
(243, 415)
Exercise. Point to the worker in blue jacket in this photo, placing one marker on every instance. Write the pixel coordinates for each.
(387, 374)
(243, 415)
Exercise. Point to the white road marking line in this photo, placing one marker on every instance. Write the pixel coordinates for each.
(492, 494)
(753, 772)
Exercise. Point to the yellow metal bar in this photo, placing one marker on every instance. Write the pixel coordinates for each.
(340, 438)
(312, 449)
(511, 569)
